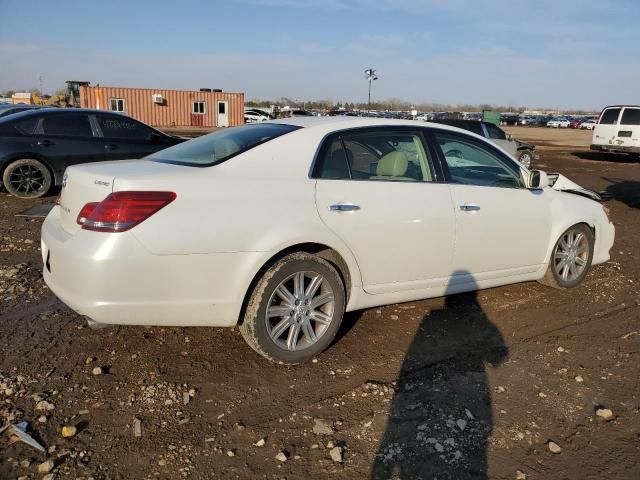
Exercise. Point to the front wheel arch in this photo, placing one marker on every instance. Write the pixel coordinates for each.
(549, 279)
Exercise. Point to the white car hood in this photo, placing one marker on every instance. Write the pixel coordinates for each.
(563, 184)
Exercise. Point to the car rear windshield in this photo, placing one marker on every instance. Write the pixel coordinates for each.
(221, 145)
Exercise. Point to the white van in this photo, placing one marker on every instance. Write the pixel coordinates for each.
(618, 130)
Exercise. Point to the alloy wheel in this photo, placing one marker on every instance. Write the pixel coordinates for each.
(525, 160)
(300, 310)
(571, 256)
(27, 179)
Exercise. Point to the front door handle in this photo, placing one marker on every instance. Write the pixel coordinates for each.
(344, 207)
(469, 207)
(45, 143)
(110, 146)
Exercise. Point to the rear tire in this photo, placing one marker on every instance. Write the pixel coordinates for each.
(27, 178)
(295, 309)
(570, 258)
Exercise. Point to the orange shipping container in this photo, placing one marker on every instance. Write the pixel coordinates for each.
(168, 108)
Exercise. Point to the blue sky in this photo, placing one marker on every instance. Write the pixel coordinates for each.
(548, 53)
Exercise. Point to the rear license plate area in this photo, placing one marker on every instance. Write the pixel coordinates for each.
(624, 133)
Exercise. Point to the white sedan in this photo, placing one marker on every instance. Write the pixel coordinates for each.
(588, 125)
(254, 117)
(558, 123)
(283, 226)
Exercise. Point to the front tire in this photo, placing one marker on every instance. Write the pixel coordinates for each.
(525, 157)
(27, 178)
(570, 258)
(295, 309)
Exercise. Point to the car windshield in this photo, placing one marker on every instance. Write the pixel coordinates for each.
(221, 145)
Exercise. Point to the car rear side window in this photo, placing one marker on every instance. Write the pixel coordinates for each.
(73, 125)
(121, 127)
(397, 156)
(631, 116)
(221, 145)
(610, 116)
(27, 126)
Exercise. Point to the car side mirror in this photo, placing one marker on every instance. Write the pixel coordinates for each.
(510, 137)
(537, 179)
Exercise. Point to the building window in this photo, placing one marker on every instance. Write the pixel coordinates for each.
(116, 104)
(199, 107)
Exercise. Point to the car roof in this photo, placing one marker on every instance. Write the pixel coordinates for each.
(458, 121)
(28, 112)
(621, 106)
(6, 106)
(340, 122)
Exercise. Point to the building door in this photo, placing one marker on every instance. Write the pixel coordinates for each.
(222, 110)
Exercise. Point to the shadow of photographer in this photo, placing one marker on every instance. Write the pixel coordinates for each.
(440, 417)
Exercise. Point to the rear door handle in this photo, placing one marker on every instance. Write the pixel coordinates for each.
(110, 146)
(344, 207)
(469, 207)
(45, 143)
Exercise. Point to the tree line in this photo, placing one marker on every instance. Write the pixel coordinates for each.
(391, 104)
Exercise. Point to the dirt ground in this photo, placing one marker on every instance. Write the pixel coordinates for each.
(472, 386)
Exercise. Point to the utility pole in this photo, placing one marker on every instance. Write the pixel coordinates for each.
(370, 75)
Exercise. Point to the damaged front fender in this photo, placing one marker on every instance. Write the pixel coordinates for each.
(561, 183)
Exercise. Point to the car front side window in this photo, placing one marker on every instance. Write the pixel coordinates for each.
(378, 155)
(471, 163)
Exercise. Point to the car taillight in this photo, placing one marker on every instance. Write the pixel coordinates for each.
(607, 212)
(121, 211)
(85, 212)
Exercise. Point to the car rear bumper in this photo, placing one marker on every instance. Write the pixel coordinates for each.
(113, 279)
(615, 148)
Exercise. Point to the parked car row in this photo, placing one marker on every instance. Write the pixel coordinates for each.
(561, 121)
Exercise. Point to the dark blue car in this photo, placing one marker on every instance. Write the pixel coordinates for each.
(37, 145)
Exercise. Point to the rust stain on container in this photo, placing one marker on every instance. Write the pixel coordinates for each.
(168, 108)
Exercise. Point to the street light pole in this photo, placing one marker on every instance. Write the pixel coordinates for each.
(370, 75)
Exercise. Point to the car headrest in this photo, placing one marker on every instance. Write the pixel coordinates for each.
(393, 164)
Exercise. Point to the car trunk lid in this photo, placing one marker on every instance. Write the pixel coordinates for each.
(92, 182)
